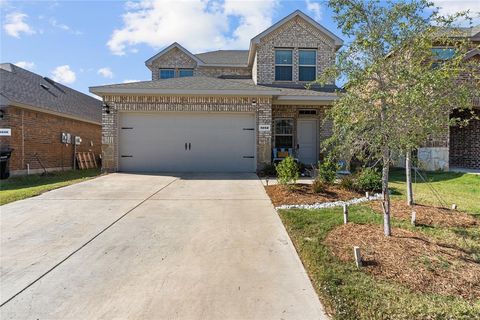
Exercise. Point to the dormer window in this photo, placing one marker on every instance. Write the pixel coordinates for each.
(307, 65)
(283, 65)
(185, 73)
(167, 73)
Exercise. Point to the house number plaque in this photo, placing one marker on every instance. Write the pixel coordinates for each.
(264, 128)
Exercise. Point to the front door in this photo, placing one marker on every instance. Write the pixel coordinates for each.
(307, 138)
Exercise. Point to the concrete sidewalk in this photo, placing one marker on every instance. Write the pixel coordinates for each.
(131, 246)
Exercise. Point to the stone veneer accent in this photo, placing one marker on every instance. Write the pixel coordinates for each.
(296, 33)
(292, 112)
(262, 106)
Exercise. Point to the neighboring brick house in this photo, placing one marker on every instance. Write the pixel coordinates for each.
(459, 147)
(226, 110)
(35, 111)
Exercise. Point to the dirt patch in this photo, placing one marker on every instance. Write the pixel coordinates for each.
(303, 194)
(408, 258)
(428, 215)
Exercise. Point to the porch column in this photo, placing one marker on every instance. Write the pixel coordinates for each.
(264, 138)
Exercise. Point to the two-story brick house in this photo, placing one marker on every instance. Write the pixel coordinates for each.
(227, 110)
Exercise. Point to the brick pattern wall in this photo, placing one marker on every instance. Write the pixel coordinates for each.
(176, 59)
(173, 59)
(465, 144)
(260, 105)
(37, 132)
(292, 112)
(295, 34)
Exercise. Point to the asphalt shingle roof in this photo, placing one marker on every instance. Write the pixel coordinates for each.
(24, 87)
(189, 83)
(225, 57)
(200, 83)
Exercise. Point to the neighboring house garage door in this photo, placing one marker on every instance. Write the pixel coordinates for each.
(187, 142)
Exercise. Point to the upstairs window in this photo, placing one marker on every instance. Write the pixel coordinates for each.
(443, 53)
(185, 73)
(307, 65)
(283, 65)
(167, 73)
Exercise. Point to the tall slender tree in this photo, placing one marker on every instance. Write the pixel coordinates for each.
(399, 91)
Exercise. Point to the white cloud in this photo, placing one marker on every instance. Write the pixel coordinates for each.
(129, 80)
(64, 27)
(105, 72)
(198, 24)
(25, 65)
(314, 8)
(453, 6)
(63, 74)
(15, 24)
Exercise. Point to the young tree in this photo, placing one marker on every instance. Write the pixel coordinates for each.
(398, 92)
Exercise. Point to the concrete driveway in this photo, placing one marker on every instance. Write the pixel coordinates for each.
(131, 246)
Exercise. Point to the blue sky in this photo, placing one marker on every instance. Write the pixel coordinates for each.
(87, 43)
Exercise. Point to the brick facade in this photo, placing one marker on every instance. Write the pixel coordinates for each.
(40, 133)
(261, 106)
(296, 33)
(465, 143)
(176, 59)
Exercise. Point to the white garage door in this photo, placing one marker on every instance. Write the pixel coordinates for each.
(187, 142)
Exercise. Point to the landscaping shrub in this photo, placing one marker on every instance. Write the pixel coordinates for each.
(318, 185)
(348, 183)
(327, 171)
(287, 171)
(369, 179)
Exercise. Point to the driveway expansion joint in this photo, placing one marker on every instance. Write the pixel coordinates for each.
(86, 243)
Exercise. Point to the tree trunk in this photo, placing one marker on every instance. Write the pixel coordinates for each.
(408, 170)
(387, 229)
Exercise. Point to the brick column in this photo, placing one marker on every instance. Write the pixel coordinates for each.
(264, 139)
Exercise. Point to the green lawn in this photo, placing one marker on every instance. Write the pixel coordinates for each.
(460, 188)
(349, 293)
(17, 188)
(352, 294)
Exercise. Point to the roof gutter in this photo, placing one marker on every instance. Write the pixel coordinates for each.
(102, 91)
(58, 114)
(306, 98)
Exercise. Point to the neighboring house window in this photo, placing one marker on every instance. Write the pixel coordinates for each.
(283, 65)
(167, 73)
(307, 65)
(443, 53)
(284, 133)
(185, 73)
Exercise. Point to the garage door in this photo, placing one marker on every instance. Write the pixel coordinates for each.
(187, 142)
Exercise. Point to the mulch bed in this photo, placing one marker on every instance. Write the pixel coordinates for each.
(303, 194)
(408, 258)
(427, 215)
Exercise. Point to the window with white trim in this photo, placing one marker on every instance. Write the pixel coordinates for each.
(185, 73)
(307, 65)
(167, 73)
(283, 133)
(283, 64)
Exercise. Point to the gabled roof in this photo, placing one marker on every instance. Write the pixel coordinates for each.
(170, 47)
(20, 87)
(197, 85)
(470, 54)
(225, 57)
(297, 13)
